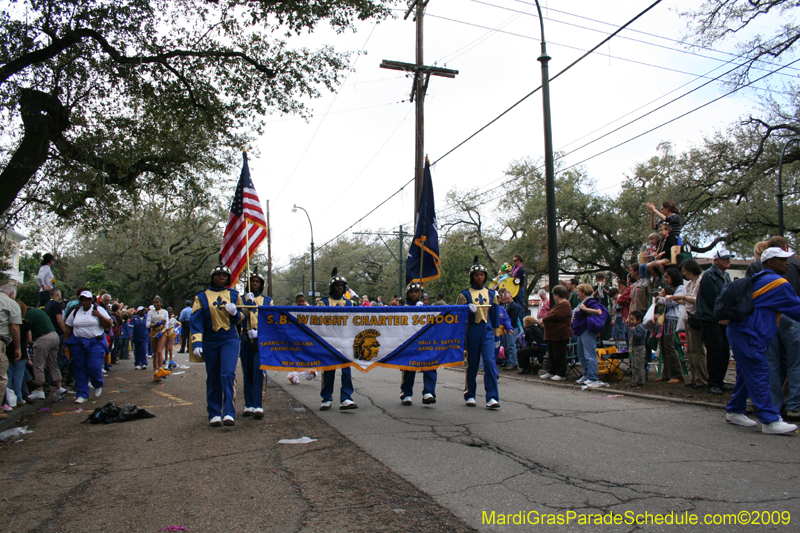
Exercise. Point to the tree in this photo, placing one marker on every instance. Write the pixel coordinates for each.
(102, 97)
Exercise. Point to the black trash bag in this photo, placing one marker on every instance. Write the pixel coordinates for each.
(110, 413)
(104, 415)
(131, 412)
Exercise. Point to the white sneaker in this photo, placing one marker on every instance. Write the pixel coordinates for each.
(471, 402)
(739, 419)
(406, 400)
(58, 394)
(98, 391)
(347, 405)
(228, 420)
(581, 381)
(258, 412)
(215, 422)
(548, 375)
(137, 367)
(596, 384)
(80, 399)
(493, 404)
(428, 398)
(324, 406)
(105, 371)
(556, 378)
(779, 427)
(37, 395)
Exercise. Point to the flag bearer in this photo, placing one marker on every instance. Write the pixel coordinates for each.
(336, 289)
(254, 377)
(214, 336)
(482, 322)
(413, 292)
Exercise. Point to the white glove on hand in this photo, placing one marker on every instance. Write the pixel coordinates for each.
(198, 351)
(250, 296)
(232, 309)
(496, 344)
(253, 333)
(473, 308)
(420, 303)
(516, 281)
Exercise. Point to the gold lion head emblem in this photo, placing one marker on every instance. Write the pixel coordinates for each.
(366, 345)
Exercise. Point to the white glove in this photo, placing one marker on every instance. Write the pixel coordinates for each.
(232, 309)
(250, 296)
(253, 333)
(496, 344)
(198, 351)
(516, 281)
(420, 303)
(473, 308)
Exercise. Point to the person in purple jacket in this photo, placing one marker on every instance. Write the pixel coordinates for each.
(587, 340)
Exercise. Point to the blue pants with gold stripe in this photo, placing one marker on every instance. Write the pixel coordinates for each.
(428, 383)
(752, 377)
(252, 375)
(480, 346)
(345, 393)
(221, 355)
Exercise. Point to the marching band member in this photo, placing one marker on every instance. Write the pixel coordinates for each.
(140, 339)
(413, 291)
(85, 338)
(483, 320)
(336, 289)
(157, 320)
(254, 377)
(214, 336)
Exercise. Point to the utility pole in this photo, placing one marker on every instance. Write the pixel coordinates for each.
(269, 255)
(422, 75)
(400, 258)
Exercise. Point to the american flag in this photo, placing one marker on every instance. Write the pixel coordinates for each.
(245, 206)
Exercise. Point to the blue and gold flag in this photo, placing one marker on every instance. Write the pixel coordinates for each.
(422, 262)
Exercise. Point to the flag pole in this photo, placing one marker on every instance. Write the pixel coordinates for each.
(247, 249)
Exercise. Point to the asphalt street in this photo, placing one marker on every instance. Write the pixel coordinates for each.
(174, 470)
(550, 450)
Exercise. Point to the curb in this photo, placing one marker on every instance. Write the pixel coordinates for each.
(19, 413)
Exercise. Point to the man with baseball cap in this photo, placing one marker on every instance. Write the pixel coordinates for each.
(750, 338)
(714, 337)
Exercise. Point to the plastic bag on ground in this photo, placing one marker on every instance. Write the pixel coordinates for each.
(301, 440)
(110, 413)
(13, 433)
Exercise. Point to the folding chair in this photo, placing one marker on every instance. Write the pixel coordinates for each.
(572, 358)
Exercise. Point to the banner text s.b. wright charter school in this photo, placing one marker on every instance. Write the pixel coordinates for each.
(325, 338)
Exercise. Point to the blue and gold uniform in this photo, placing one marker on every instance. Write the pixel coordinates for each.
(329, 376)
(750, 338)
(254, 376)
(482, 322)
(409, 376)
(214, 333)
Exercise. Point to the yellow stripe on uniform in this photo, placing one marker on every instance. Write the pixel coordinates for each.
(768, 287)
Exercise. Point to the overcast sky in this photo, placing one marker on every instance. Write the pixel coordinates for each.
(359, 147)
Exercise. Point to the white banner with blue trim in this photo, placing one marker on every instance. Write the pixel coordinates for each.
(325, 338)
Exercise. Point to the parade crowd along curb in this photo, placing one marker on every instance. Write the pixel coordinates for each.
(413, 338)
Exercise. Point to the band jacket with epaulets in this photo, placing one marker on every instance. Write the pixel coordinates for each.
(772, 295)
(260, 299)
(330, 301)
(482, 298)
(210, 317)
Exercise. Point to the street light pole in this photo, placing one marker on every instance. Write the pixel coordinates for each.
(313, 285)
(550, 179)
(780, 186)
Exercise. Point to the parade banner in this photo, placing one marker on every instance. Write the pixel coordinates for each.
(326, 338)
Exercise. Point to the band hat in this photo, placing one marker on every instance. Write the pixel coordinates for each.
(722, 253)
(772, 253)
(140, 308)
(85, 294)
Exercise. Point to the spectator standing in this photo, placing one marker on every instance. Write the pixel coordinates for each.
(695, 352)
(17, 369)
(601, 295)
(45, 353)
(440, 299)
(86, 341)
(185, 317)
(715, 338)
(544, 304)
(783, 354)
(750, 338)
(557, 333)
(638, 337)
(45, 279)
(587, 341)
(300, 299)
(515, 315)
(10, 320)
(55, 312)
(518, 273)
(574, 299)
(671, 370)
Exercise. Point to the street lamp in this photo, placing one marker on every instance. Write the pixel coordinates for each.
(780, 186)
(550, 179)
(313, 286)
